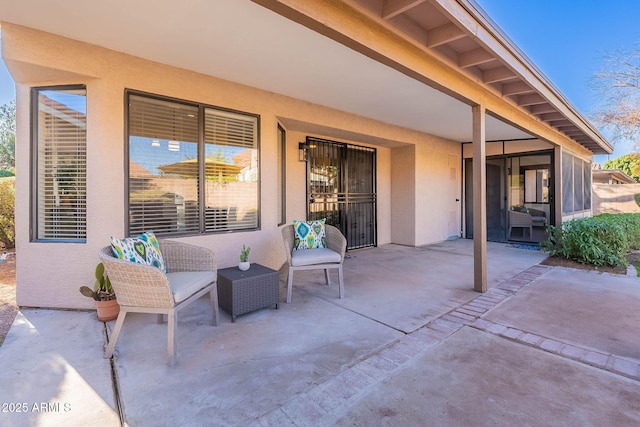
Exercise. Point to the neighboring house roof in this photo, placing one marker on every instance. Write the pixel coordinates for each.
(611, 176)
(321, 52)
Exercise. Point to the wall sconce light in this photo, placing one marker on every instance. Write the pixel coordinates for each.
(303, 148)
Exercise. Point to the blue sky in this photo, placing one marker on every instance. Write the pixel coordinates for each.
(565, 39)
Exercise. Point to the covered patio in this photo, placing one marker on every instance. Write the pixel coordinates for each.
(411, 344)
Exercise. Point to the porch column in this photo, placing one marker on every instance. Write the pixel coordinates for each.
(479, 200)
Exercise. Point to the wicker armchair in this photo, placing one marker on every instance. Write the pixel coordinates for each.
(191, 273)
(315, 259)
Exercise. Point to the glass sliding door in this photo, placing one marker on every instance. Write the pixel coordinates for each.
(496, 199)
(530, 197)
(519, 196)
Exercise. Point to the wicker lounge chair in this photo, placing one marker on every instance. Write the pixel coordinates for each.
(191, 273)
(315, 259)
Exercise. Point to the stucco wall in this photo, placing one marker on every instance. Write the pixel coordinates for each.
(438, 195)
(403, 195)
(49, 274)
(609, 198)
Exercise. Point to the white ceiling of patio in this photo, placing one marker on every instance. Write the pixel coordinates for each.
(241, 41)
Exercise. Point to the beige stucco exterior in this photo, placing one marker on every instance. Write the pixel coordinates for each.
(406, 161)
(419, 191)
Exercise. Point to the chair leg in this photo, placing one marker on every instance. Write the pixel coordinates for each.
(114, 337)
(289, 284)
(327, 278)
(214, 304)
(171, 344)
(341, 279)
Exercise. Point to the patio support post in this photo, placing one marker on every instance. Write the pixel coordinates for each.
(479, 200)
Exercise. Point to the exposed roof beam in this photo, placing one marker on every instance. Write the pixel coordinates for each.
(531, 99)
(565, 128)
(391, 8)
(496, 75)
(552, 116)
(560, 123)
(474, 57)
(516, 88)
(444, 34)
(542, 108)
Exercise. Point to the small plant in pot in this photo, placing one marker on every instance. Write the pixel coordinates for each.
(244, 258)
(103, 295)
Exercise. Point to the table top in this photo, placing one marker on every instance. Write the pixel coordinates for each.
(234, 273)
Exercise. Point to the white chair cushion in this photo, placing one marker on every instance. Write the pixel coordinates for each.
(314, 256)
(185, 284)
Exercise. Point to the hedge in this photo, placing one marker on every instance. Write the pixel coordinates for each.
(599, 240)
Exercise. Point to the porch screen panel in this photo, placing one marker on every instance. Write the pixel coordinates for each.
(567, 183)
(60, 125)
(163, 166)
(231, 170)
(587, 185)
(578, 191)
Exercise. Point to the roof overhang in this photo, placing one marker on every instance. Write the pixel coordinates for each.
(615, 174)
(242, 41)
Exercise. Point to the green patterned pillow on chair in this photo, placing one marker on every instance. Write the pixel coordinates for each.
(143, 249)
(309, 234)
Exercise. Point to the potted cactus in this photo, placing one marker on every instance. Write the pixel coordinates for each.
(103, 295)
(244, 258)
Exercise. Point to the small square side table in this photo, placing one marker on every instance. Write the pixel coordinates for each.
(241, 292)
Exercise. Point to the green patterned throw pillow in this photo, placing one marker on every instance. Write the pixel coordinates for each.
(143, 249)
(309, 234)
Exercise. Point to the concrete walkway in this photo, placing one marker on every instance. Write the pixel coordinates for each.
(411, 344)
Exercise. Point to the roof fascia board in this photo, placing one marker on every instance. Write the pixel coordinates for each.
(488, 34)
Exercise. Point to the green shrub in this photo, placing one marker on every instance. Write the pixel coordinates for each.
(5, 173)
(7, 214)
(630, 223)
(600, 240)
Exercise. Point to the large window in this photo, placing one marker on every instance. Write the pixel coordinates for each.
(192, 168)
(576, 184)
(59, 135)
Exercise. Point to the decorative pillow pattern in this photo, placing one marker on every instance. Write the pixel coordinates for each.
(143, 249)
(309, 234)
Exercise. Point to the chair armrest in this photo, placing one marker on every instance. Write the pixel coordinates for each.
(180, 256)
(135, 284)
(335, 240)
(287, 238)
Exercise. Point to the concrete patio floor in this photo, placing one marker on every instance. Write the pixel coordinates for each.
(411, 344)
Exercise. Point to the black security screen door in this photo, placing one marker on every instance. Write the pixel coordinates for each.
(341, 187)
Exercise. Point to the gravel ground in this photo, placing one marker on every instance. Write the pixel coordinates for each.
(8, 308)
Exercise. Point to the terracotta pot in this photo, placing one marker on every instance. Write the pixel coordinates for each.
(107, 310)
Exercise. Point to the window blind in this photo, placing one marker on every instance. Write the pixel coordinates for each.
(163, 167)
(231, 171)
(167, 165)
(61, 136)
